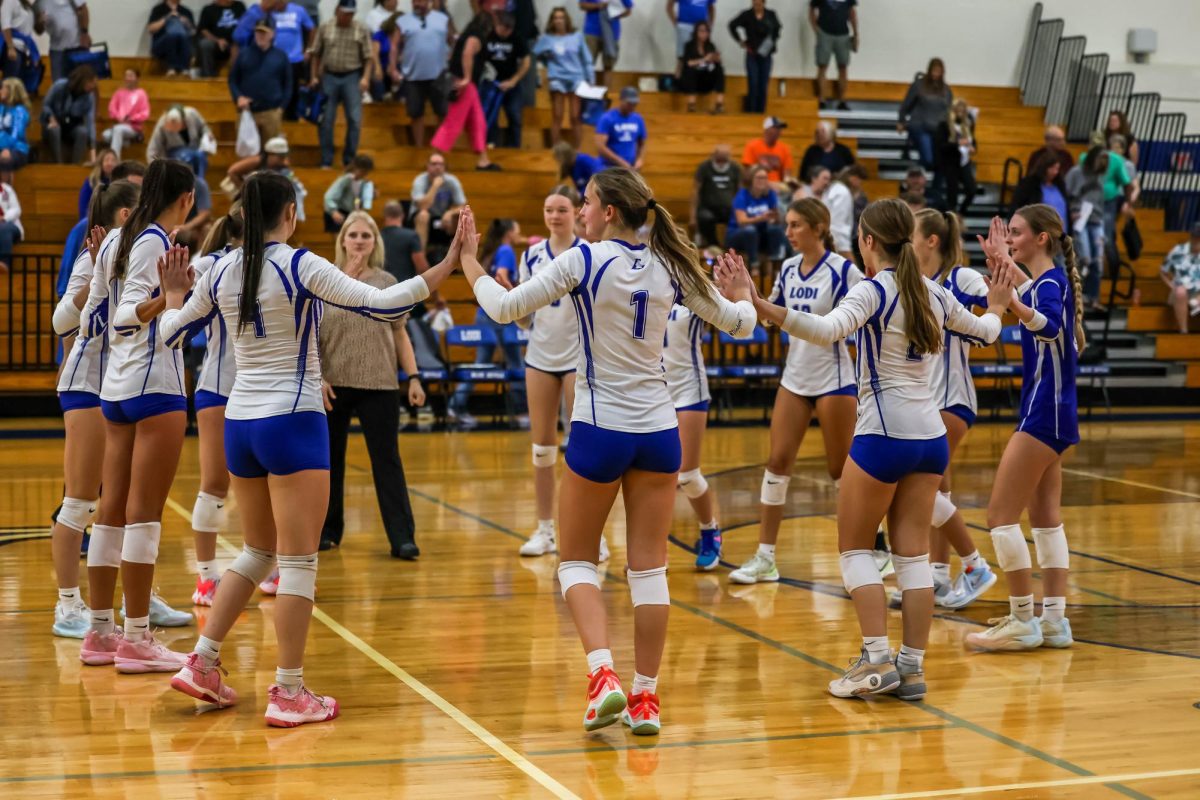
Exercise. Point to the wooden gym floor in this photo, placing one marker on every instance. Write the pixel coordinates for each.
(462, 675)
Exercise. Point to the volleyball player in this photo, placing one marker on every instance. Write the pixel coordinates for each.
(213, 385)
(144, 404)
(624, 432)
(1050, 307)
(816, 379)
(79, 384)
(899, 450)
(276, 437)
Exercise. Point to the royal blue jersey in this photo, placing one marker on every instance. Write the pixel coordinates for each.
(1049, 357)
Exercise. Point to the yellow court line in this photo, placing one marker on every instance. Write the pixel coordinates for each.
(1084, 780)
(1138, 484)
(433, 698)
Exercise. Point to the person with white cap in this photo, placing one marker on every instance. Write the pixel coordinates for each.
(621, 133)
(273, 158)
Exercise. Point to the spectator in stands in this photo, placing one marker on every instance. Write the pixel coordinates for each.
(14, 124)
(575, 168)
(1117, 124)
(465, 112)
(101, 175)
(915, 182)
(352, 191)
(341, 62)
(703, 73)
(923, 109)
(404, 257)
(294, 29)
(17, 19)
(685, 15)
(839, 199)
(11, 230)
(1085, 185)
(756, 30)
(180, 133)
(191, 233)
(915, 201)
(819, 180)
(1119, 146)
(273, 158)
(854, 176)
(1055, 143)
(260, 80)
(218, 21)
(826, 151)
(171, 29)
(313, 9)
(66, 21)
(510, 59)
(1181, 274)
(379, 13)
(128, 108)
(754, 227)
(714, 186)
(621, 133)
(771, 153)
(568, 63)
(1044, 184)
(421, 43)
(956, 155)
(437, 198)
(69, 116)
(602, 32)
(835, 22)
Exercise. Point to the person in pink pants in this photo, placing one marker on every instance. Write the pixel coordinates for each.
(466, 111)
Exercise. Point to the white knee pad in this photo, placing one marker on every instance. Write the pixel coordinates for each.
(576, 573)
(913, 572)
(1012, 553)
(858, 569)
(774, 488)
(253, 564)
(943, 509)
(692, 484)
(298, 576)
(105, 549)
(141, 542)
(1052, 552)
(77, 514)
(649, 587)
(209, 513)
(544, 455)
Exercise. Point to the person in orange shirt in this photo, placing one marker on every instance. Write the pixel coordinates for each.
(771, 153)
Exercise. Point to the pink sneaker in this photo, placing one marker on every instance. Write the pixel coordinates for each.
(289, 710)
(204, 683)
(100, 649)
(271, 584)
(147, 656)
(205, 591)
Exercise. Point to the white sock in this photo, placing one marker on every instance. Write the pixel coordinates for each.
(102, 621)
(710, 526)
(643, 684)
(910, 657)
(68, 596)
(878, 650)
(209, 570)
(1054, 608)
(972, 562)
(599, 658)
(941, 573)
(1021, 607)
(766, 550)
(546, 525)
(290, 679)
(208, 650)
(137, 628)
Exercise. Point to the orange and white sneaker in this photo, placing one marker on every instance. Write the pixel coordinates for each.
(288, 709)
(205, 591)
(606, 700)
(641, 714)
(204, 682)
(271, 584)
(147, 655)
(100, 649)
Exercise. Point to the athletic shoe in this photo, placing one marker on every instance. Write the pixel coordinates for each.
(147, 655)
(641, 714)
(100, 649)
(84, 544)
(204, 682)
(287, 709)
(708, 549)
(606, 701)
(759, 569)
(604, 554)
(461, 420)
(72, 621)
(883, 562)
(970, 584)
(863, 677)
(540, 543)
(162, 615)
(1008, 633)
(271, 584)
(205, 591)
(944, 593)
(912, 682)
(1056, 634)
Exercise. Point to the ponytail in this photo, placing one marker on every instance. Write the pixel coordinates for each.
(891, 224)
(265, 198)
(166, 180)
(107, 200)
(224, 232)
(948, 228)
(1068, 247)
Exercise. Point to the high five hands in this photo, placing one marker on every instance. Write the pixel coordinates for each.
(175, 273)
(733, 279)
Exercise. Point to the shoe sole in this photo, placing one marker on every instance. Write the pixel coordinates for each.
(1057, 644)
(68, 634)
(884, 688)
(912, 693)
(608, 712)
(710, 565)
(745, 582)
(205, 602)
(181, 684)
(138, 667)
(1016, 646)
(644, 728)
(966, 601)
(280, 722)
(537, 555)
(97, 659)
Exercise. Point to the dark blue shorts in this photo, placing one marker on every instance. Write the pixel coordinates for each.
(279, 445)
(701, 406)
(73, 401)
(603, 456)
(963, 412)
(136, 409)
(206, 399)
(888, 460)
(848, 391)
(1049, 439)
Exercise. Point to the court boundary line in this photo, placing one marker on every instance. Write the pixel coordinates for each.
(459, 717)
(1010, 787)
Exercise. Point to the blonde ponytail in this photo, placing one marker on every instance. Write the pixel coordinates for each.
(1068, 247)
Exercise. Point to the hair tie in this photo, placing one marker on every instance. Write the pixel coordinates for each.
(1062, 238)
(651, 204)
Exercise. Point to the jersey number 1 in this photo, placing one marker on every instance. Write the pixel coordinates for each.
(639, 300)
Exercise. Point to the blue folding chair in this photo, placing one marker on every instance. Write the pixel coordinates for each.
(474, 373)
(737, 366)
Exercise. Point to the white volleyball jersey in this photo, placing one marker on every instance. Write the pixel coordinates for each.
(622, 295)
(218, 369)
(278, 365)
(952, 382)
(554, 336)
(687, 378)
(83, 367)
(813, 370)
(895, 383)
(138, 361)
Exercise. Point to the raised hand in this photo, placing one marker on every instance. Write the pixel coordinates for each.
(355, 262)
(732, 278)
(469, 244)
(93, 241)
(175, 274)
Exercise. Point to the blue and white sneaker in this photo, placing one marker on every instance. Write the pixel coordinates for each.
(162, 615)
(708, 549)
(72, 621)
(969, 585)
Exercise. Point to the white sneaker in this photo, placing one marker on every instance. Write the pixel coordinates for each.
(72, 621)
(759, 569)
(1056, 634)
(162, 615)
(863, 677)
(883, 562)
(540, 543)
(604, 554)
(944, 596)
(1008, 633)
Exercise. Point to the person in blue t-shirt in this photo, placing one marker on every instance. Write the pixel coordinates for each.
(293, 34)
(754, 224)
(602, 32)
(621, 133)
(575, 168)
(684, 15)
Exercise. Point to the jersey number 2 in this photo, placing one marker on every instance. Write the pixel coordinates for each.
(639, 300)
